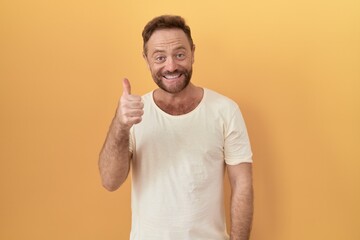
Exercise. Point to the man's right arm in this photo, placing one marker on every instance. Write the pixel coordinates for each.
(114, 159)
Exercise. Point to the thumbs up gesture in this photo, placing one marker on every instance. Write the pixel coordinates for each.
(130, 109)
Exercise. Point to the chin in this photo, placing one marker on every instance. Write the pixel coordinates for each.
(176, 88)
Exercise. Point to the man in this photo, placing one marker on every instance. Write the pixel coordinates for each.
(178, 139)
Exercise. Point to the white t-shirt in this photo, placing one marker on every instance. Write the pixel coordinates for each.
(178, 169)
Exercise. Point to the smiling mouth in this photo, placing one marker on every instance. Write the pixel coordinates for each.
(172, 76)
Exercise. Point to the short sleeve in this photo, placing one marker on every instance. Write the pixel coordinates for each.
(237, 148)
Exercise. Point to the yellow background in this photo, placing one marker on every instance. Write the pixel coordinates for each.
(292, 66)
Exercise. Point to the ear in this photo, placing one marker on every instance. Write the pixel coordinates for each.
(146, 60)
(193, 54)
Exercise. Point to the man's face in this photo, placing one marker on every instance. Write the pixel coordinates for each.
(170, 58)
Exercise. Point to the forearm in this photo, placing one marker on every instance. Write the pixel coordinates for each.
(241, 211)
(114, 159)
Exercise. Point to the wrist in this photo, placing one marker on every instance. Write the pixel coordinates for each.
(121, 128)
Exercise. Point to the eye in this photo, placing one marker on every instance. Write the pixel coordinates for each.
(160, 59)
(180, 56)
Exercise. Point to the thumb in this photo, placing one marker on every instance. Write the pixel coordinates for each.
(126, 87)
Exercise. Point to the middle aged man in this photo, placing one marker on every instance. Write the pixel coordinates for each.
(178, 139)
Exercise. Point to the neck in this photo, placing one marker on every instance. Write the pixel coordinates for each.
(179, 103)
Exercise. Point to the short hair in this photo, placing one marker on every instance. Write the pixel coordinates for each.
(165, 22)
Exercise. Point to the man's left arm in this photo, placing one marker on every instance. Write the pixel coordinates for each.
(240, 178)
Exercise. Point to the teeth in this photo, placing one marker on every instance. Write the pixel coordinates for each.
(172, 76)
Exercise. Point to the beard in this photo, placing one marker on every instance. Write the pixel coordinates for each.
(175, 88)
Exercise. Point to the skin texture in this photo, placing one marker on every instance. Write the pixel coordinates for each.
(240, 177)
(114, 159)
(169, 58)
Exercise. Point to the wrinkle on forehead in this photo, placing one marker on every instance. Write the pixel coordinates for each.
(167, 39)
(163, 50)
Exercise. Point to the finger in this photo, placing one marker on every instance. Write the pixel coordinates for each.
(133, 113)
(130, 120)
(126, 87)
(134, 105)
(134, 98)
(136, 120)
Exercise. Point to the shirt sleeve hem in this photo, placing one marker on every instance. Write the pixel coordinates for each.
(238, 161)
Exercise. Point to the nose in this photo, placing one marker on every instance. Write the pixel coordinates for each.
(170, 64)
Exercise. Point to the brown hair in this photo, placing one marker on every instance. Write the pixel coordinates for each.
(165, 22)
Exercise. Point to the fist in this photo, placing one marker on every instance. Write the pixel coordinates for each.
(130, 109)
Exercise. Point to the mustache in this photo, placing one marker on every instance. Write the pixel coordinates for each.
(174, 72)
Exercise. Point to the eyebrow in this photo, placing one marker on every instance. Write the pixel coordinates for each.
(157, 51)
(162, 51)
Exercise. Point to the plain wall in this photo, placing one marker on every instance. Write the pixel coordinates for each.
(292, 66)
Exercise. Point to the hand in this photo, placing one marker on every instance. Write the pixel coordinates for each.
(130, 109)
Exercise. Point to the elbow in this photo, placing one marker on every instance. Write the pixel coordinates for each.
(112, 179)
(112, 185)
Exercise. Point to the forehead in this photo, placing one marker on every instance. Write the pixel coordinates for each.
(167, 39)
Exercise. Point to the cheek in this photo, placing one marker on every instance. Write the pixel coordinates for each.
(188, 65)
(155, 70)
(152, 67)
